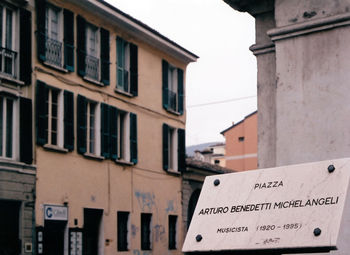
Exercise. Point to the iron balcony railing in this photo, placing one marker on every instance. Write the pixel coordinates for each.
(92, 67)
(8, 60)
(54, 52)
(172, 100)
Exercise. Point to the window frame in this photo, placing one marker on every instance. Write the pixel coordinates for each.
(14, 47)
(172, 149)
(123, 136)
(97, 31)
(14, 128)
(97, 126)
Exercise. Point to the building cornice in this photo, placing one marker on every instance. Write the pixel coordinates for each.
(259, 49)
(137, 29)
(308, 27)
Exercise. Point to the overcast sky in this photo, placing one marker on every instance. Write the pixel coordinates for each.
(226, 69)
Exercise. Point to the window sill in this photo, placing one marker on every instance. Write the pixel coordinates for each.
(93, 81)
(15, 165)
(10, 79)
(174, 172)
(119, 91)
(58, 68)
(173, 112)
(93, 156)
(124, 162)
(56, 148)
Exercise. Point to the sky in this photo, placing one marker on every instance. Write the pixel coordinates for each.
(226, 69)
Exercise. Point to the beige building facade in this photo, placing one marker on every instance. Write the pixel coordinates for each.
(108, 131)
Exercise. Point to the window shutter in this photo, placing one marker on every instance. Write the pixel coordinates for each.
(81, 124)
(105, 56)
(41, 34)
(68, 40)
(41, 113)
(165, 147)
(165, 68)
(25, 130)
(68, 120)
(105, 131)
(133, 69)
(181, 150)
(133, 138)
(113, 122)
(81, 45)
(25, 52)
(180, 90)
(120, 61)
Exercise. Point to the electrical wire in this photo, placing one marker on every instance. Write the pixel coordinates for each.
(221, 102)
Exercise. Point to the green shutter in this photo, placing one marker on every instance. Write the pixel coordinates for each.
(180, 90)
(105, 130)
(113, 122)
(25, 51)
(81, 45)
(68, 120)
(41, 113)
(165, 68)
(133, 69)
(181, 150)
(133, 138)
(25, 130)
(120, 62)
(81, 124)
(68, 40)
(104, 56)
(165, 147)
(41, 34)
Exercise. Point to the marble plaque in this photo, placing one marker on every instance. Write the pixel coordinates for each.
(291, 207)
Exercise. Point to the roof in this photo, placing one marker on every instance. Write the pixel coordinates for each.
(234, 125)
(136, 28)
(190, 162)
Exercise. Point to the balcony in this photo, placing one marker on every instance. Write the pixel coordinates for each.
(172, 100)
(92, 65)
(53, 52)
(8, 60)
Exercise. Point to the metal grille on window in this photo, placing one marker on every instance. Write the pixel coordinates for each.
(53, 44)
(91, 60)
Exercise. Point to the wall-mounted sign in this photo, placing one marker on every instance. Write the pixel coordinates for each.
(292, 207)
(55, 212)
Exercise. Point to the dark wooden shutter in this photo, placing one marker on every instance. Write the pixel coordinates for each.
(180, 90)
(68, 40)
(181, 150)
(165, 147)
(133, 138)
(113, 122)
(40, 23)
(165, 68)
(81, 45)
(25, 130)
(104, 56)
(105, 126)
(41, 113)
(25, 51)
(68, 120)
(81, 124)
(133, 69)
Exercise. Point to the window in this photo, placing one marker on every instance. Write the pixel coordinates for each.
(172, 231)
(55, 35)
(8, 52)
(126, 67)
(172, 88)
(88, 128)
(146, 231)
(123, 225)
(7, 128)
(93, 52)
(241, 138)
(54, 117)
(173, 149)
